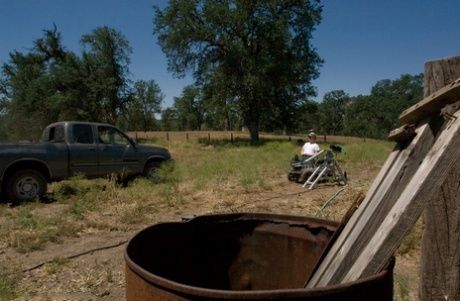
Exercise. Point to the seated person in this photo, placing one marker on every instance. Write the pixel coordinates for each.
(310, 148)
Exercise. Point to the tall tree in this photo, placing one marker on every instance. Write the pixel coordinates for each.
(50, 83)
(375, 115)
(221, 106)
(28, 89)
(258, 51)
(169, 120)
(106, 60)
(332, 112)
(139, 113)
(306, 118)
(189, 109)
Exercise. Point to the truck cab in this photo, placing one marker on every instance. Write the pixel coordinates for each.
(69, 148)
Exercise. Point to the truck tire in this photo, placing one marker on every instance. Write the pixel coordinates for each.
(26, 185)
(151, 172)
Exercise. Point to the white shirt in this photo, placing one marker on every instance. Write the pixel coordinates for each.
(310, 149)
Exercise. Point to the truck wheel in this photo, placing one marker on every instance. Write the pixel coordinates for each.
(151, 172)
(26, 185)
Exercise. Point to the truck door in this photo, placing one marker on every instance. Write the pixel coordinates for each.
(116, 153)
(82, 150)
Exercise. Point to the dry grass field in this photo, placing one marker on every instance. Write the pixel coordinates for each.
(39, 240)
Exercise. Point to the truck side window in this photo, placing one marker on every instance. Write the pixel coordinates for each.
(56, 134)
(109, 135)
(83, 133)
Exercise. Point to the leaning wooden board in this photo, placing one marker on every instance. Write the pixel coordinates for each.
(396, 171)
(377, 228)
(432, 104)
(410, 204)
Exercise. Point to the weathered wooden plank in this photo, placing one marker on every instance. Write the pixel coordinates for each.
(424, 184)
(403, 133)
(348, 247)
(359, 199)
(335, 248)
(440, 279)
(432, 104)
(382, 202)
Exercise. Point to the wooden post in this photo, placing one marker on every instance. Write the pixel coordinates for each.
(231, 138)
(440, 263)
(167, 136)
(209, 138)
(186, 136)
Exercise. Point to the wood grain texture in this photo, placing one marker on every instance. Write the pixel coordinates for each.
(365, 223)
(431, 174)
(440, 264)
(328, 260)
(402, 134)
(432, 104)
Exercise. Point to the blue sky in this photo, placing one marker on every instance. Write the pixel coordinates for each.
(361, 41)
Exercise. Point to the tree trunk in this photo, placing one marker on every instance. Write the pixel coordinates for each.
(253, 127)
(440, 267)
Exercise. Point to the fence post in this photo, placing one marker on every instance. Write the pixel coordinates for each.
(167, 136)
(440, 264)
(186, 136)
(231, 138)
(209, 138)
(324, 138)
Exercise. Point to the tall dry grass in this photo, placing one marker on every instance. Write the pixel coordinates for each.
(199, 172)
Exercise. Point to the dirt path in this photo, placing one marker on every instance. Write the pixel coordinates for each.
(99, 275)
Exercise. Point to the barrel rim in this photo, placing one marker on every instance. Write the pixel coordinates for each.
(174, 286)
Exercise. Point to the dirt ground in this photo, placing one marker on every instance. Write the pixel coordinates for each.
(99, 275)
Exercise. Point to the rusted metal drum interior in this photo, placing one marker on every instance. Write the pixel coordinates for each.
(238, 257)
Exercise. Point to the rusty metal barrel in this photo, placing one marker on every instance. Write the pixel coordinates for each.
(238, 257)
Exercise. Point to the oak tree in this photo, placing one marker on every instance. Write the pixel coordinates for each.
(258, 51)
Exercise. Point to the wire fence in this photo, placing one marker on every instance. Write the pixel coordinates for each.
(233, 136)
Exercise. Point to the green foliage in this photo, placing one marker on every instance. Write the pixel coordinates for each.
(255, 54)
(27, 85)
(332, 112)
(50, 83)
(377, 114)
(106, 54)
(140, 112)
(169, 120)
(307, 117)
(189, 109)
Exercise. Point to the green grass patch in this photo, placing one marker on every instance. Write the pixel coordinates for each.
(359, 157)
(103, 204)
(246, 166)
(8, 284)
(27, 231)
(402, 288)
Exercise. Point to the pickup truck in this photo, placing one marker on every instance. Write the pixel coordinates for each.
(69, 148)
